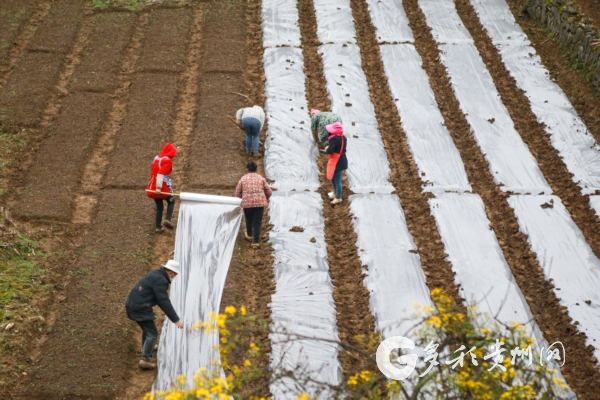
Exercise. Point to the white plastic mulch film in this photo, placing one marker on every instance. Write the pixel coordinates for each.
(206, 234)
(304, 331)
(394, 276)
(368, 167)
(335, 23)
(568, 133)
(432, 148)
(511, 164)
(291, 152)
(565, 258)
(379, 222)
(390, 21)
(481, 271)
(280, 23)
(484, 277)
(472, 247)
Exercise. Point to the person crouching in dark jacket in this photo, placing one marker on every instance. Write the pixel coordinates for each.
(151, 290)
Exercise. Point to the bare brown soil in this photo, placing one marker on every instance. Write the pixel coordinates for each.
(58, 166)
(219, 159)
(14, 15)
(56, 33)
(165, 44)
(102, 53)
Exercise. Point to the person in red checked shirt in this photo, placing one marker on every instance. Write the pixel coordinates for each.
(254, 191)
(160, 181)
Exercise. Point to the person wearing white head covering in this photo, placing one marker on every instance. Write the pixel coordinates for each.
(252, 120)
(152, 290)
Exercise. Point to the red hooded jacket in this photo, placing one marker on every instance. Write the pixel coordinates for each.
(162, 165)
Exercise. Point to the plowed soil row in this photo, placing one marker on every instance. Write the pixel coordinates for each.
(405, 175)
(14, 17)
(542, 301)
(351, 297)
(30, 85)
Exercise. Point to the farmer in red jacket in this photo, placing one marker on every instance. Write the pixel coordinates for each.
(160, 181)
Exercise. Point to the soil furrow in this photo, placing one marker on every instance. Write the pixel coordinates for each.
(97, 71)
(517, 252)
(95, 169)
(586, 376)
(146, 128)
(91, 346)
(44, 159)
(165, 45)
(22, 21)
(405, 175)
(351, 297)
(30, 90)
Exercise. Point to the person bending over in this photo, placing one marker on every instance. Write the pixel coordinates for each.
(151, 290)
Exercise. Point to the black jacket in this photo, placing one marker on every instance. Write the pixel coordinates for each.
(334, 147)
(148, 292)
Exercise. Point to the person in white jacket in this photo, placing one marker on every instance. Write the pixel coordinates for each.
(252, 120)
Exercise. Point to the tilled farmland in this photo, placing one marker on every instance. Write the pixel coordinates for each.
(473, 167)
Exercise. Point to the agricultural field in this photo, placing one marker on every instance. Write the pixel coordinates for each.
(473, 168)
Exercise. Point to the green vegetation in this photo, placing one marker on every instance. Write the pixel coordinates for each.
(20, 275)
(130, 4)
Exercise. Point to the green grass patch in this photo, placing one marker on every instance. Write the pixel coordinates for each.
(20, 274)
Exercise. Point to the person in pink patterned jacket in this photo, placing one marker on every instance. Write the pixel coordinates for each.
(254, 191)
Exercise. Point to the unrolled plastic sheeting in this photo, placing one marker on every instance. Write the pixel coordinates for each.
(210, 198)
(368, 168)
(302, 305)
(511, 163)
(482, 272)
(565, 258)
(432, 148)
(390, 21)
(595, 204)
(446, 26)
(204, 242)
(568, 133)
(499, 22)
(484, 277)
(280, 23)
(291, 152)
(394, 276)
(335, 23)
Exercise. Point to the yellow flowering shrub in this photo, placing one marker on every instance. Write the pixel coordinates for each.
(243, 371)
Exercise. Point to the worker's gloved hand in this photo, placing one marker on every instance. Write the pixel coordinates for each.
(179, 324)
